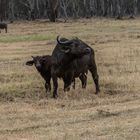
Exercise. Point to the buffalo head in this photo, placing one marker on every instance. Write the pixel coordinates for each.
(74, 46)
(38, 61)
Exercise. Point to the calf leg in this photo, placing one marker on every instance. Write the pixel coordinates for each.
(48, 86)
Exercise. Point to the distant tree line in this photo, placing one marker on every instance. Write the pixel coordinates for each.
(51, 9)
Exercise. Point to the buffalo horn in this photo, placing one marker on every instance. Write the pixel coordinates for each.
(68, 42)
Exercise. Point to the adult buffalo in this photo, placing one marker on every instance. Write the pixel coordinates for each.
(71, 58)
(3, 26)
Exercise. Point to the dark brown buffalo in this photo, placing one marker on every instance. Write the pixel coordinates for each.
(52, 9)
(43, 66)
(3, 26)
(70, 58)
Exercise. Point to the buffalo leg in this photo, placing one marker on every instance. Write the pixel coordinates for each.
(93, 70)
(55, 86)
(48, 86)
(83, 79)
(67, 82)
(66, 85)
(6, 30)
(73, 83)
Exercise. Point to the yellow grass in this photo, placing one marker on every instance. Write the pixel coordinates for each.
(26, 112)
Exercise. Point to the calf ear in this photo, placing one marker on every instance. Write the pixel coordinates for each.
(30, 63)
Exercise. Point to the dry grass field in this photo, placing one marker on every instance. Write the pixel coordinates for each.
(27, 114)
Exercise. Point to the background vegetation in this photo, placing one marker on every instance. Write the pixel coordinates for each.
(32, 9)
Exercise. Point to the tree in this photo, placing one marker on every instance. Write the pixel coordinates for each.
(3, 8)
(33, 9)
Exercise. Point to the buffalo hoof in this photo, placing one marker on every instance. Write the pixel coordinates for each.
(84, 86)
(97, 92)
(48, 91)
(55, 96)
(67, 89)
(73, 87)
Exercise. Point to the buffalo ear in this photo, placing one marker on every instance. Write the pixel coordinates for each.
(30, 63)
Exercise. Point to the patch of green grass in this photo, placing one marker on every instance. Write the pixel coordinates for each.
(22, 38)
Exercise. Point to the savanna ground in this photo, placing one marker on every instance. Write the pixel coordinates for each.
(27, 114)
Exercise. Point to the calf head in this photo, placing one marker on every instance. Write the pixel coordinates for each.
(38, 61)
(75, 46)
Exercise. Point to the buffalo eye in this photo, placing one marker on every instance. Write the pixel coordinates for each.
(43, 60)
(66, 48)
(76, 44)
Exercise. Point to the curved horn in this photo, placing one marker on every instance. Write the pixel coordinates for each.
(67, 42)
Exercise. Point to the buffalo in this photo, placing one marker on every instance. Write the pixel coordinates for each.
(71, 58)
(3, 26)
(43, 65)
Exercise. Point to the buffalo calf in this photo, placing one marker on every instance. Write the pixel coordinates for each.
(43, 66)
